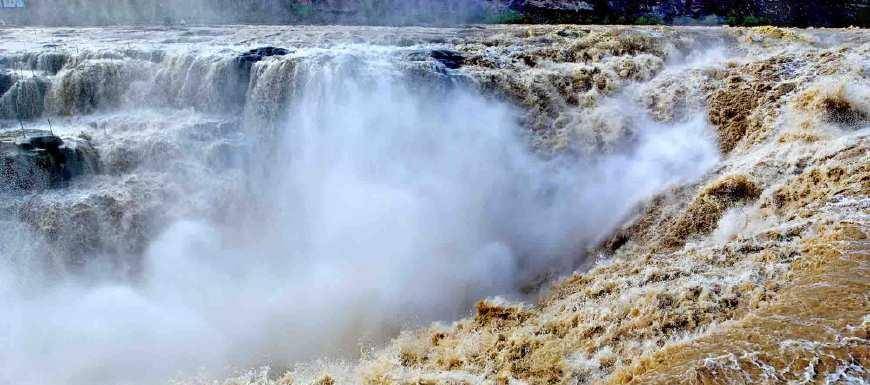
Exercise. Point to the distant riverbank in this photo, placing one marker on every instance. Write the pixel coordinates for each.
(799, 13)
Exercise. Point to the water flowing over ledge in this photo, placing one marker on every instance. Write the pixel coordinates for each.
(281, 194)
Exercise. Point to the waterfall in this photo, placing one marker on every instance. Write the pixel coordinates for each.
(287, 208)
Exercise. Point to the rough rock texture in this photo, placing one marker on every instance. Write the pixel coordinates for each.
(33, 160)
(757, 274)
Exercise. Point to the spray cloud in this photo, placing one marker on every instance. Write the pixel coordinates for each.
(386, 203)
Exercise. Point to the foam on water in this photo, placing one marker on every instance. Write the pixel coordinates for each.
(378, 203)
(292, 208)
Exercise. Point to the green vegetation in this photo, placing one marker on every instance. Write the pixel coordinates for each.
(746, 21)
(648, 20)
(708, 20)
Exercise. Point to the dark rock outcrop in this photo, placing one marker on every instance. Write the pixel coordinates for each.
(448, 58)
(6, 82)
(236, 78)
(258, 54)
(36, 159)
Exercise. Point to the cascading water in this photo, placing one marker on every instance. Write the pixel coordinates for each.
(362, 192)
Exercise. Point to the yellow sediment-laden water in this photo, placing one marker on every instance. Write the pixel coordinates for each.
(481, 205)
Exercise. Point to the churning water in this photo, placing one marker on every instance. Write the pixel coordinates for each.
(289, 209)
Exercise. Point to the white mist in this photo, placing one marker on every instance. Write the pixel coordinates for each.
(386, 204)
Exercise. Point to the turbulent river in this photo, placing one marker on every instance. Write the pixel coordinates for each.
(233, 197)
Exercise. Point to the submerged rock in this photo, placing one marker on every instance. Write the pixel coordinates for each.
(38, 159)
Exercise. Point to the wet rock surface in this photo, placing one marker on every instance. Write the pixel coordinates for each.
(33, 160)
(446, 58)
(449, 59)
(6, 81)
(261, 53)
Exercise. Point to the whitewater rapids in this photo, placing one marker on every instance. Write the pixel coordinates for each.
(271, 195)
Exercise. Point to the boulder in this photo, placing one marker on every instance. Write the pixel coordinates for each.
(37, 159)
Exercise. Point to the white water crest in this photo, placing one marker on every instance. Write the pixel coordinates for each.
(383, 200)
